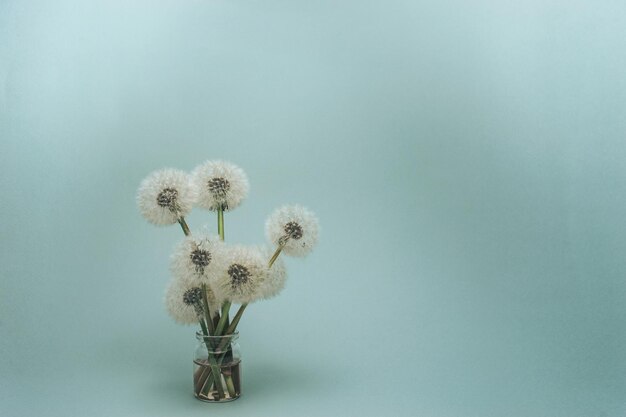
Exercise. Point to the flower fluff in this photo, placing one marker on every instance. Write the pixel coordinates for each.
(183, 300)
(196, 258)
(295, 227)
(165, 196)
(276, 276)
(220, 184)
(242, 275)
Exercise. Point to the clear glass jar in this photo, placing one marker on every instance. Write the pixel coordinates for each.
(217, 355)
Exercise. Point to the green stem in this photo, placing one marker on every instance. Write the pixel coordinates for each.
(215, 369)
(219, 331)
(217, 378)
(220, 231)
(232, 328)
(233, 325)
(230, 385)
(207, 310)
(200, 378)
(203, 326)
(223, 323)
(235, 322)
(279, 249)
(184, 226)
(220, 222)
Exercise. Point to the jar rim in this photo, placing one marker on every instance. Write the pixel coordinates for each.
(202, 336)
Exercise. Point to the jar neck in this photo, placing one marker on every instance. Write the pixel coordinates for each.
(228, 338)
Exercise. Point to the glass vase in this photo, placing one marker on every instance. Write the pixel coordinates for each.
(217, 368)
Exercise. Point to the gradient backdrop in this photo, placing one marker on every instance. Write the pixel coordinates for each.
(467, 161)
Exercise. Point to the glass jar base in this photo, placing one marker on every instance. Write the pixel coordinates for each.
(228, 386)
(223, 400)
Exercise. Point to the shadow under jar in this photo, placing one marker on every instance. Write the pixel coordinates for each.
(217, 368)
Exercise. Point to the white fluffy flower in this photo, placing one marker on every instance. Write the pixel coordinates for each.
(276, 276)
(295, 227)
(242, 274)
(196, 257)
(166, 195)
(183, 300)
(220, 184)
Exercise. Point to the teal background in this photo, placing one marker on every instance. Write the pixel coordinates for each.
(466, 161)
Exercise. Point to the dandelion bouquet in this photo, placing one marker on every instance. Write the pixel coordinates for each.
(208, 275)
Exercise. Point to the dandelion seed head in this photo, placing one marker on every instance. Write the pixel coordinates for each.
(195, 257)
(165, 195)
(192, 296)
(182, 301)
(218, 187)
(239, 275)
(243, 272)
(295, 227)
(293, 230)
(167, 198)
(220, 184)
(200, 258)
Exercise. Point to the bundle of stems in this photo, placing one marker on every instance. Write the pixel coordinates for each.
(216, 329)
